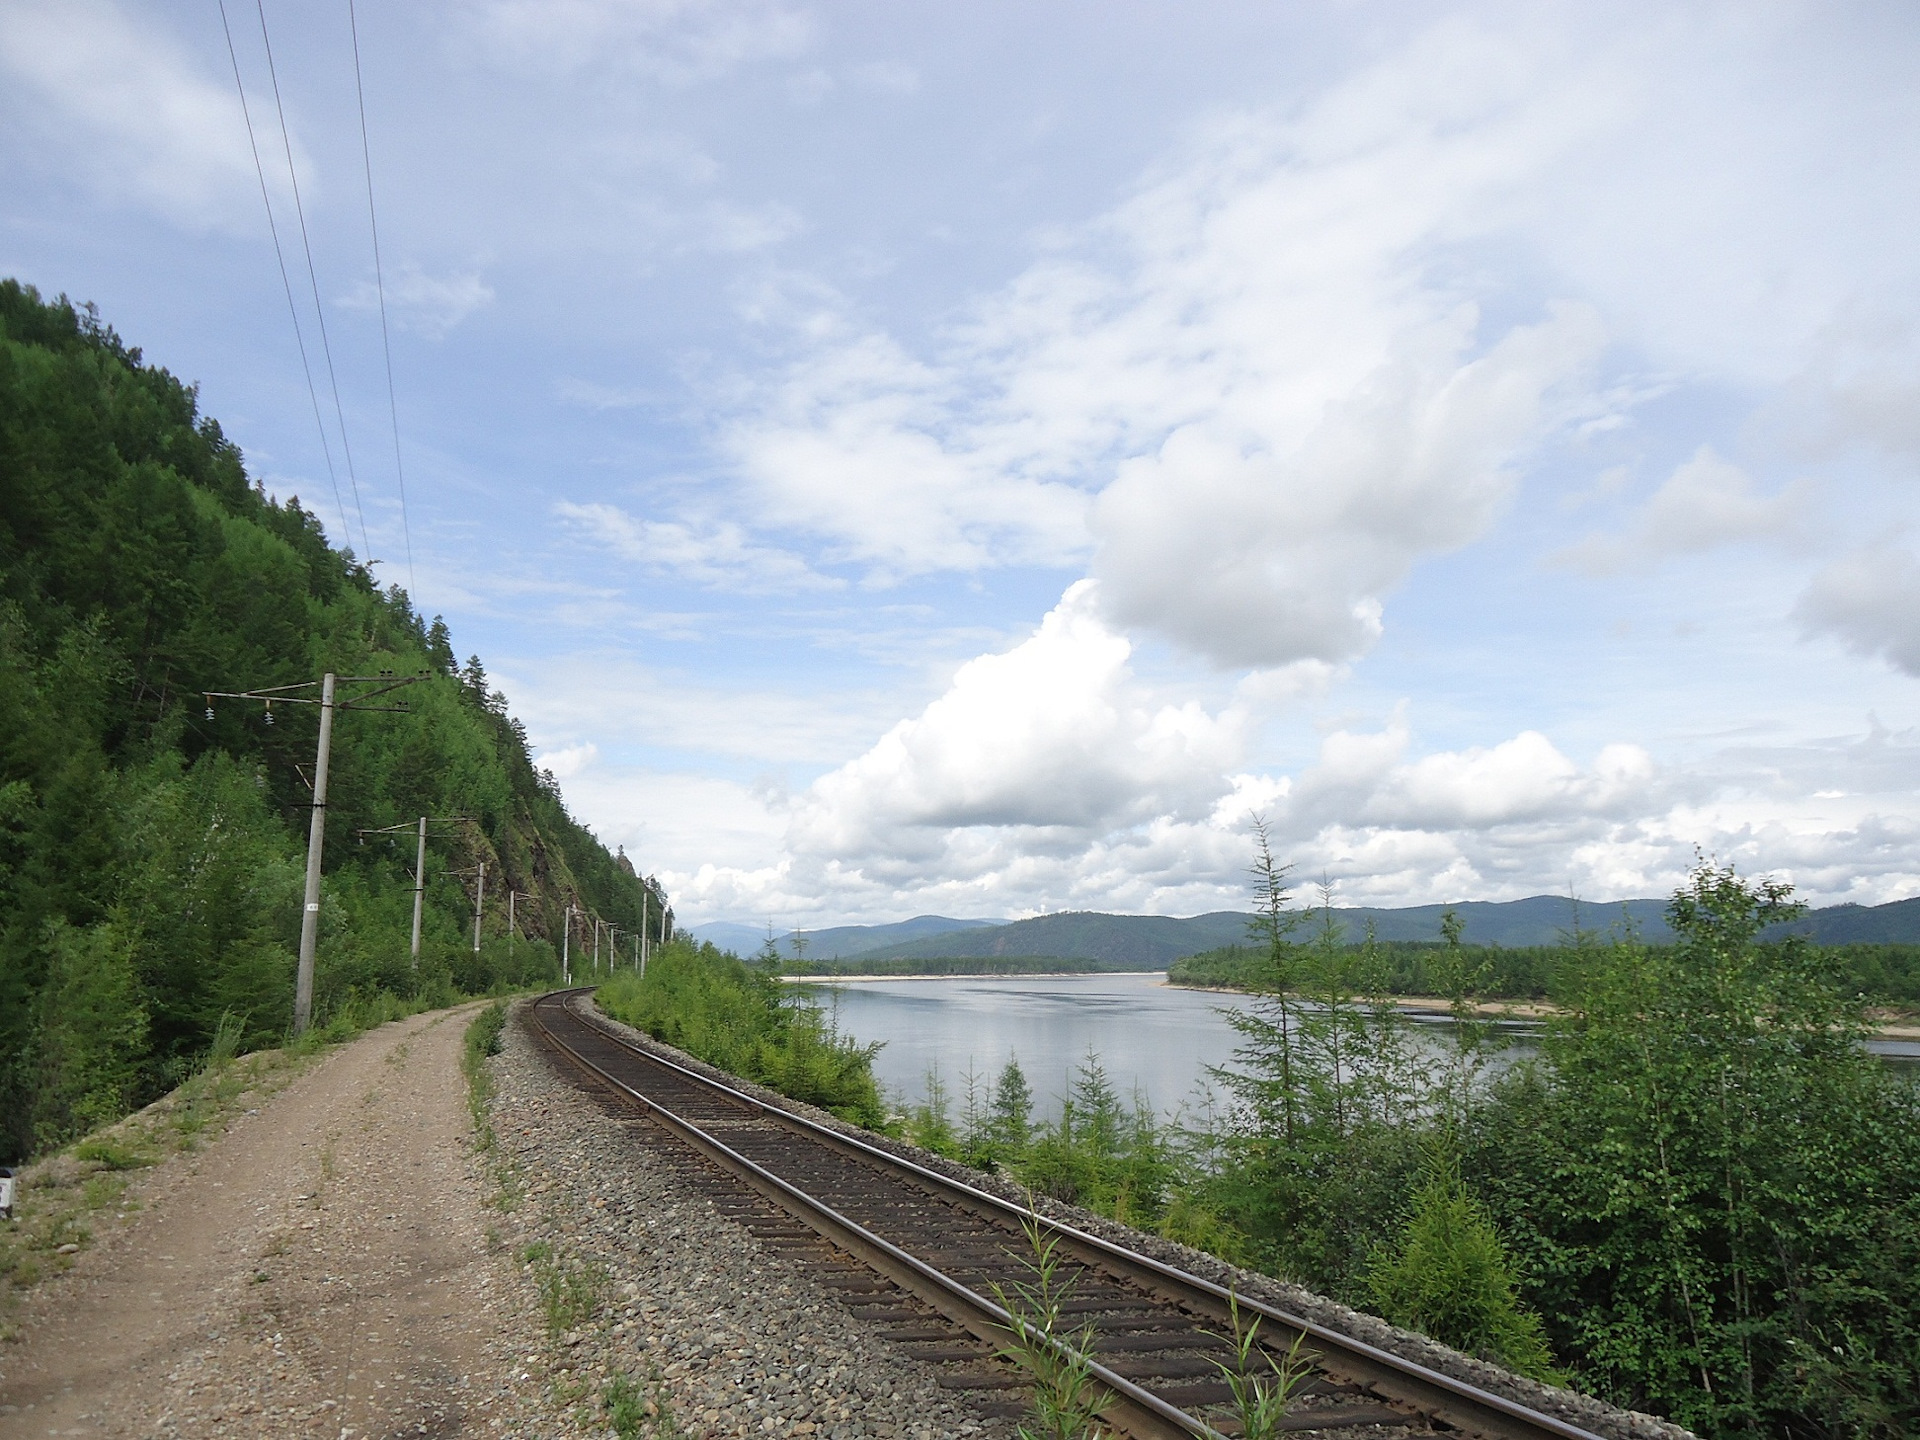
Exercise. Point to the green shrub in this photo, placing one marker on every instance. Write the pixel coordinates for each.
(1451, 1279)
(744, 1020)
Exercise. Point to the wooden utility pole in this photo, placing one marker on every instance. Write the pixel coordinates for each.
(328, 685)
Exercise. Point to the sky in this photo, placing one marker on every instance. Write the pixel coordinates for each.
(979, 460)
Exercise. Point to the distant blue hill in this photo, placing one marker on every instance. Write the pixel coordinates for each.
(1152, 942)
(1895, 923)
(835, 941)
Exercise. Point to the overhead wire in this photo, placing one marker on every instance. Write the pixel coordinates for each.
(293, 309)
(313, 279)
(380, 288)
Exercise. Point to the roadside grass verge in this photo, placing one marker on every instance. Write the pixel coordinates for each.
(59, 1200)
(483, 1042)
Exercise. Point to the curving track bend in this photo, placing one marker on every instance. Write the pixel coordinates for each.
(919, 1253)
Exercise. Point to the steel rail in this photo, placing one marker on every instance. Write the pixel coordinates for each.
(1394, 1378)
(1144, 1414)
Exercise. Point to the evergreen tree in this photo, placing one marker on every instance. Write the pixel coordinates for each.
(1010, 1123)
(1450, 1278)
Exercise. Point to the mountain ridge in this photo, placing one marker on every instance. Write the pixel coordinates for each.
(1155, 941)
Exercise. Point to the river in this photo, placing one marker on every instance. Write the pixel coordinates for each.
(1150, 1037)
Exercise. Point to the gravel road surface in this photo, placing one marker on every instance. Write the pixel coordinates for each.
(320, 1269)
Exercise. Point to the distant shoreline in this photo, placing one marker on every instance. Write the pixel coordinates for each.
(1901, 1028)
(1892, 1028)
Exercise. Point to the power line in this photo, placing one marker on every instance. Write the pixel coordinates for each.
(293, 310)
(380, 288)
(313, 279)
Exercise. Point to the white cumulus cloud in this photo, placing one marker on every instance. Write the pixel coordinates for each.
(428, 304)
(1054, 740)
(1246, 395)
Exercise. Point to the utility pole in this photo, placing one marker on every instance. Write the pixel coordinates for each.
(479, 872)
(328, 684)
(512, 895)
(316, 843)
(419, 863)
(566, 947)
(419, 888)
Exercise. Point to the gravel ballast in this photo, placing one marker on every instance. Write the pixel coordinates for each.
(694, 1319)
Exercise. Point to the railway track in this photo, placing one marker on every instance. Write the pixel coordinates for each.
(921, 1254)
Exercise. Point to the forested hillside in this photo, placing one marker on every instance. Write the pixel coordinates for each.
(151, 857)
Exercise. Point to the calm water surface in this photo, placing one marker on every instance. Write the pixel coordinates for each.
(1148, 1035)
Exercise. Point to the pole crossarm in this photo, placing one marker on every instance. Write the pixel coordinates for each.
(272, 695)
(410, 825)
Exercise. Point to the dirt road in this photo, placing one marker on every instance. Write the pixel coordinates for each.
(324, 1268)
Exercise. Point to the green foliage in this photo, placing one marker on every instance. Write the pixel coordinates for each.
(1261, 1384)
(1110, 1157)
(1009, 1123)
(90, 1030)
(151, 858)
(930, 1123)
(571, 1291)
(1716, 1189)
(1327, 1094)
(1450, 1278)
(1404, 967)
(483, 1034)
(1067, 1401)
(745, 1020)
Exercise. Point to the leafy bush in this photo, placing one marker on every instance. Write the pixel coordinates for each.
(1715, 1187)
